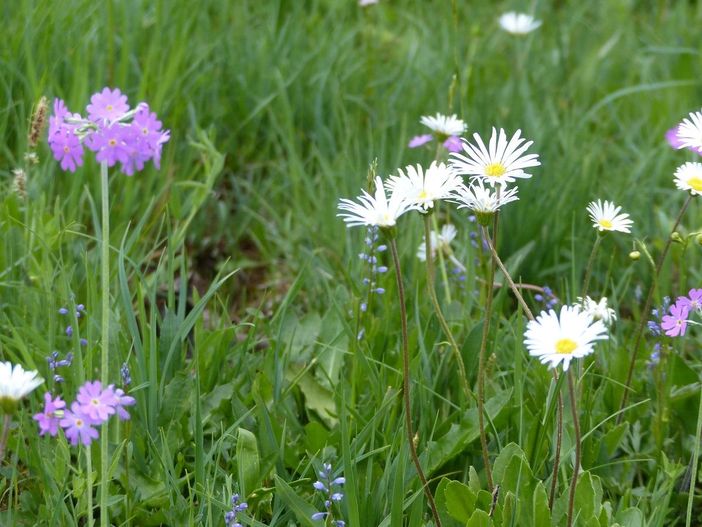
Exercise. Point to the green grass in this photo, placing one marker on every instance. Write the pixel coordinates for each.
(250, 381)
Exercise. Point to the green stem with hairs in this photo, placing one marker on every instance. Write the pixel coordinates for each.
(646, 309)
(576, 427)
(105, 341)
(695, 459)
(481, 365)
(437, 309)
(590, 264)
(442, 265)
(559, 427)
(89, 485)
(406, 382)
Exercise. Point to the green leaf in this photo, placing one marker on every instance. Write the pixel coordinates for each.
(302, 510)
(588, 496)
(631, 517)
(248, 461)
(479, 519)
(317, 398)
(459, 436)
(541, 512)
(460, 501)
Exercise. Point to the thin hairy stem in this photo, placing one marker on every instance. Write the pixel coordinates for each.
(695, 459)
(646, 309)
(105, 341)
(520, 299)
(6, 420)
(437, 309)
(576, 427)
(590, 265)
(481, 366)
(406, 384)
(89, 469)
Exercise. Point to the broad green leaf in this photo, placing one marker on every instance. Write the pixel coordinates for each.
(541, 512)
(479, 519)
(248, 461)
(460, 501)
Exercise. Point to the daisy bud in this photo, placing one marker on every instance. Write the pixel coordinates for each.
(675, 236)
(698, 239)
(634, 255)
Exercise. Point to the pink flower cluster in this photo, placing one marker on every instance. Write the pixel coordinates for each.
(116, 133)
(675, 323)
(92, 407)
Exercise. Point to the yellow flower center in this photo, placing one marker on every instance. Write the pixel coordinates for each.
(112, 142)
(94, 402)
(79, 423)
(495, 170)
(66, 149)
(605, 224)
(565, 346)
(695, 183)
(423, 195)
(109, 108)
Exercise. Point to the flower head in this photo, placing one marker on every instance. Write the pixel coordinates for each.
(78, 426)
(107, 106)
(440, 241)
(375, 210)
(675, 323)
(555, 339)
(48, 420)
(693, 300)
(606, 217)
(690, 132)
(15, 384)
(122, 401)
(598, 310)
(446, 129)
(518, 23)
(688, 176)
(421, 187)
(501, 162)
(482, 201)
(96, 403)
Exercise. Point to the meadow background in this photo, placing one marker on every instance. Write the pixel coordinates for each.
(249, 381)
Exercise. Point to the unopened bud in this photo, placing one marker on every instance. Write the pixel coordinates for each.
(675, 236)
(634, 255)
(698, 239)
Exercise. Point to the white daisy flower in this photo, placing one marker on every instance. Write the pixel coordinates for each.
(690, 132)
(688, 176)
(423, 188)
(554, 340)
(598, 310)
(500, 163)
(483, 201)
(440, 241)
(444, 125)
(375, 210)
(606, 217)
(518, 23)
(15, 383)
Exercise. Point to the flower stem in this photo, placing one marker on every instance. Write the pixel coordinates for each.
(646, 309)
(520, 299)
(105, 341)
(406, 384)
(89, 486)
(481, 365)
(576, 427)
(590, 264)
(695, 459)
(437, 309)
(6, 420)
(442, 264)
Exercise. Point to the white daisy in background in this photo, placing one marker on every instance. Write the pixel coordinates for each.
(518, 23)
(375, 210)
(484, 202)
(440, 241)
(446, 129)
(16, 383)
(500, 163)
(688, 176)
(598, 310)
(689, 132)
(421, 187)
(606, 217)
(556, 340)
(364, 3)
